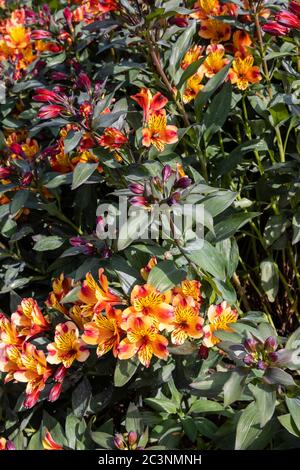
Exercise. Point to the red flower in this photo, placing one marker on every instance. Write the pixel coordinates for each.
(288, 19)
(112, 138)
(295, 7)
(40, 34)
(275, 29)
(50, 111)
(46, 96)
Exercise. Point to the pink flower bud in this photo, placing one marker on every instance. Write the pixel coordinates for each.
(50, 111)
(166, 173)
(270, 344)
(132, 437)
(60, 374)
(288, 19)
(136, 188)
(55, 392)
(40, 34)
(119, 442)
(275, 29)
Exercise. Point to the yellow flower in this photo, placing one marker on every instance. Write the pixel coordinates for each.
(144, 340)
(214, 62)
(67, 346)
(17, 37)
(220, 317)
(187, 324)
(104, 331)
(193, 87)
(243, 72)
(158, 133)
(192, 55)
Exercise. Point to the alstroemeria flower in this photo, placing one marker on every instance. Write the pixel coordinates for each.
(98, 297)
(112, 139)
(50, 111)
(17, 37)
(49, 443)
(193, 86)
(29, 318)
(149, 103)
(241, 41)
(190, 292)
(147, 301)
(144, 340)
(10, 360)
(214, 62)
(158, 133)
(243, 72)
(104, 331)
(288, 19)
(145, 271)
(220, 317)
(215, 30)
(191, 56)
(205, 9)
(34, 372)
(275, 29)
(61, 286)
(67, 346)
(8, 332)
(187, 324)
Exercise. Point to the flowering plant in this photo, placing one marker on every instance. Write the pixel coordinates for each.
(150, 224)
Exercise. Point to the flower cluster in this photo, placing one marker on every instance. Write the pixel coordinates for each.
(101, 318)
(284, 21)
(260, 354)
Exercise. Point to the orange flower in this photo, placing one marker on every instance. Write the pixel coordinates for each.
(98, 298)
(8, 332)
(243, 72)
(205, 8)
(190, 291)
(67, 346)
(220, 317)
(49, 443)
(146, 270)
(187, 324)
(29, 318)
(17, 37)
(34, 372)
(147, 301)
(241, 43)
(158, 133)
(214, 62)
(144, 340)
(193, 86)
(10, 360)
(104, 331)
(61, 286)
(192, 55)
(112, 139)
(149, 103)
(215, 30)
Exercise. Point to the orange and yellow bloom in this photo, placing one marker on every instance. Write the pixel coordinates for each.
(243, 72)
(104, 331)
(187, 324)
(67, 346)
(220, 317)
(29, 318)
(97, 297)
(158, 133)
(144, 340)
(49, 443)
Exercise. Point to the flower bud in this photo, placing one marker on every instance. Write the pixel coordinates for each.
(203, 352)
(166, 173)
(288, 19)
(183, 182)
(136, 188)
(250, 345)
(60, 374)
(55, 392)
(261, 365)
(275, 29)
(10, 445)
(4, 172)
(248, 360)
(270, 344)
(132, 437)
(119, 442)
(179, 20)
(273, 356)
(84, 81)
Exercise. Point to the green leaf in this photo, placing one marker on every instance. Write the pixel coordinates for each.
(265, 397)
(48, 243)
(210, 88)
(72, 140)
(294, 340)
(289, 424)
(82, 173)
(133, 421)
(180, 48)
(133, 228)
(269, 278)
(104, 440)
(18, 202)
(207, 258)
(296, 227)
(293, 404)
(234, 386)
(124, 371)
(218, 111)
(248, 427)
(206, 406)
(232, 224)
(274, 375)
(235, 157)
(81, 397)
(190, 428)
(166, 275)
(161, 404)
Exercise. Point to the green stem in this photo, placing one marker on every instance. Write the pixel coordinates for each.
(249, 135)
